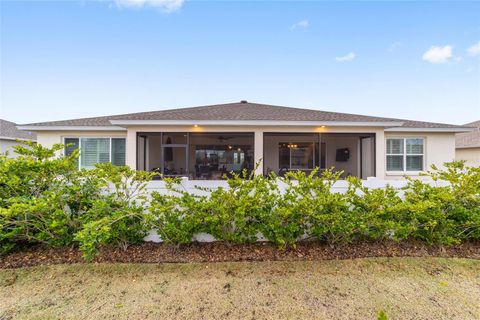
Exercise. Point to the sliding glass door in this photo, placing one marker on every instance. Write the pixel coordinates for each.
(174, 155)
(300, 155)
(174, 160)
(220, 154)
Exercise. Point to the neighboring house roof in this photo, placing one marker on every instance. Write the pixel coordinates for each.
(8, 130)
(240, 111)
(469, 139)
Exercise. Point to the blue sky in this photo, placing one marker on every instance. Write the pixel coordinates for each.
(68, 59)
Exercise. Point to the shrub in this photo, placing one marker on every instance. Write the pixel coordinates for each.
(177, 215)
(464, 205)
(280, 222)
(42, 197)
(45, 199)
(119, 216)
(444, 214)
(239, 213)
(234, 215)
(372, 212)
(324, 214)
(305, 207)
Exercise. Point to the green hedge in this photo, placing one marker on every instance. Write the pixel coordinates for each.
(47, 200)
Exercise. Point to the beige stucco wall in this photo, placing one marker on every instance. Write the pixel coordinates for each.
(49, 138)
(470, 155)
(6, 147)
(439, 147)
(350, 167)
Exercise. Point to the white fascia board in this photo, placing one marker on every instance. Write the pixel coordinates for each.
(70, 128)
(407, 129)
(15, 139)
(257, 123)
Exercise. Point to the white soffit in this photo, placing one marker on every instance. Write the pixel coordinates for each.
(410, 129)
(70, 128)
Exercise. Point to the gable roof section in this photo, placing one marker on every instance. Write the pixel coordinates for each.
(469, 139)
(241, 111)
(8, 130)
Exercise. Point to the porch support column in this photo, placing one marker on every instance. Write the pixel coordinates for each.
(380, 154)
(131, 152)
(258, 151)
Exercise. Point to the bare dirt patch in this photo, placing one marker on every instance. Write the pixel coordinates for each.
(405, 288)
(221, 252)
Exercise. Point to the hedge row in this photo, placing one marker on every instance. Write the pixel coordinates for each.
(45, 199)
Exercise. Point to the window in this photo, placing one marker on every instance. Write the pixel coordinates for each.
(118, 151)
(300, 155)
(97, 150)
(405, 154)
(71, 144)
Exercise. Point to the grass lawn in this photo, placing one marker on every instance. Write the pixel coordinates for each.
(405, 288)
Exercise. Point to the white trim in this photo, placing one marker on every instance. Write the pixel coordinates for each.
(407, 129)
(258, 123)
(404, 156)
(70, 128)
(15, 139)
(110, 149)
(404, 173)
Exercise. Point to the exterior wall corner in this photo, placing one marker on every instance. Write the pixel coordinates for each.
(258, 151)
(131, 150)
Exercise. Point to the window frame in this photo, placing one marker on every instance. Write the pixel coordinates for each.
(290, 155)
(94, 137)
(405, 155)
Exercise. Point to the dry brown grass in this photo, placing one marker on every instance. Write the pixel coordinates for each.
(406, 288)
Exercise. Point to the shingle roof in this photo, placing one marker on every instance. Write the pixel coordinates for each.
(469, 139)
(9, 130)
(240, 111)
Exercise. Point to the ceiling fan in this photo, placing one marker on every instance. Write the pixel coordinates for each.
(223, 139)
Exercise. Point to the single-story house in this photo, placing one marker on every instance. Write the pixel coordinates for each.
(467, 145)
(208, 141)
(10, 137)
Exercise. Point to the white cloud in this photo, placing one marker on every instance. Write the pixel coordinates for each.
(474, 50)
(348, 57)
(299, 24)
(166, 5)
(394, 46)
(438, 54)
